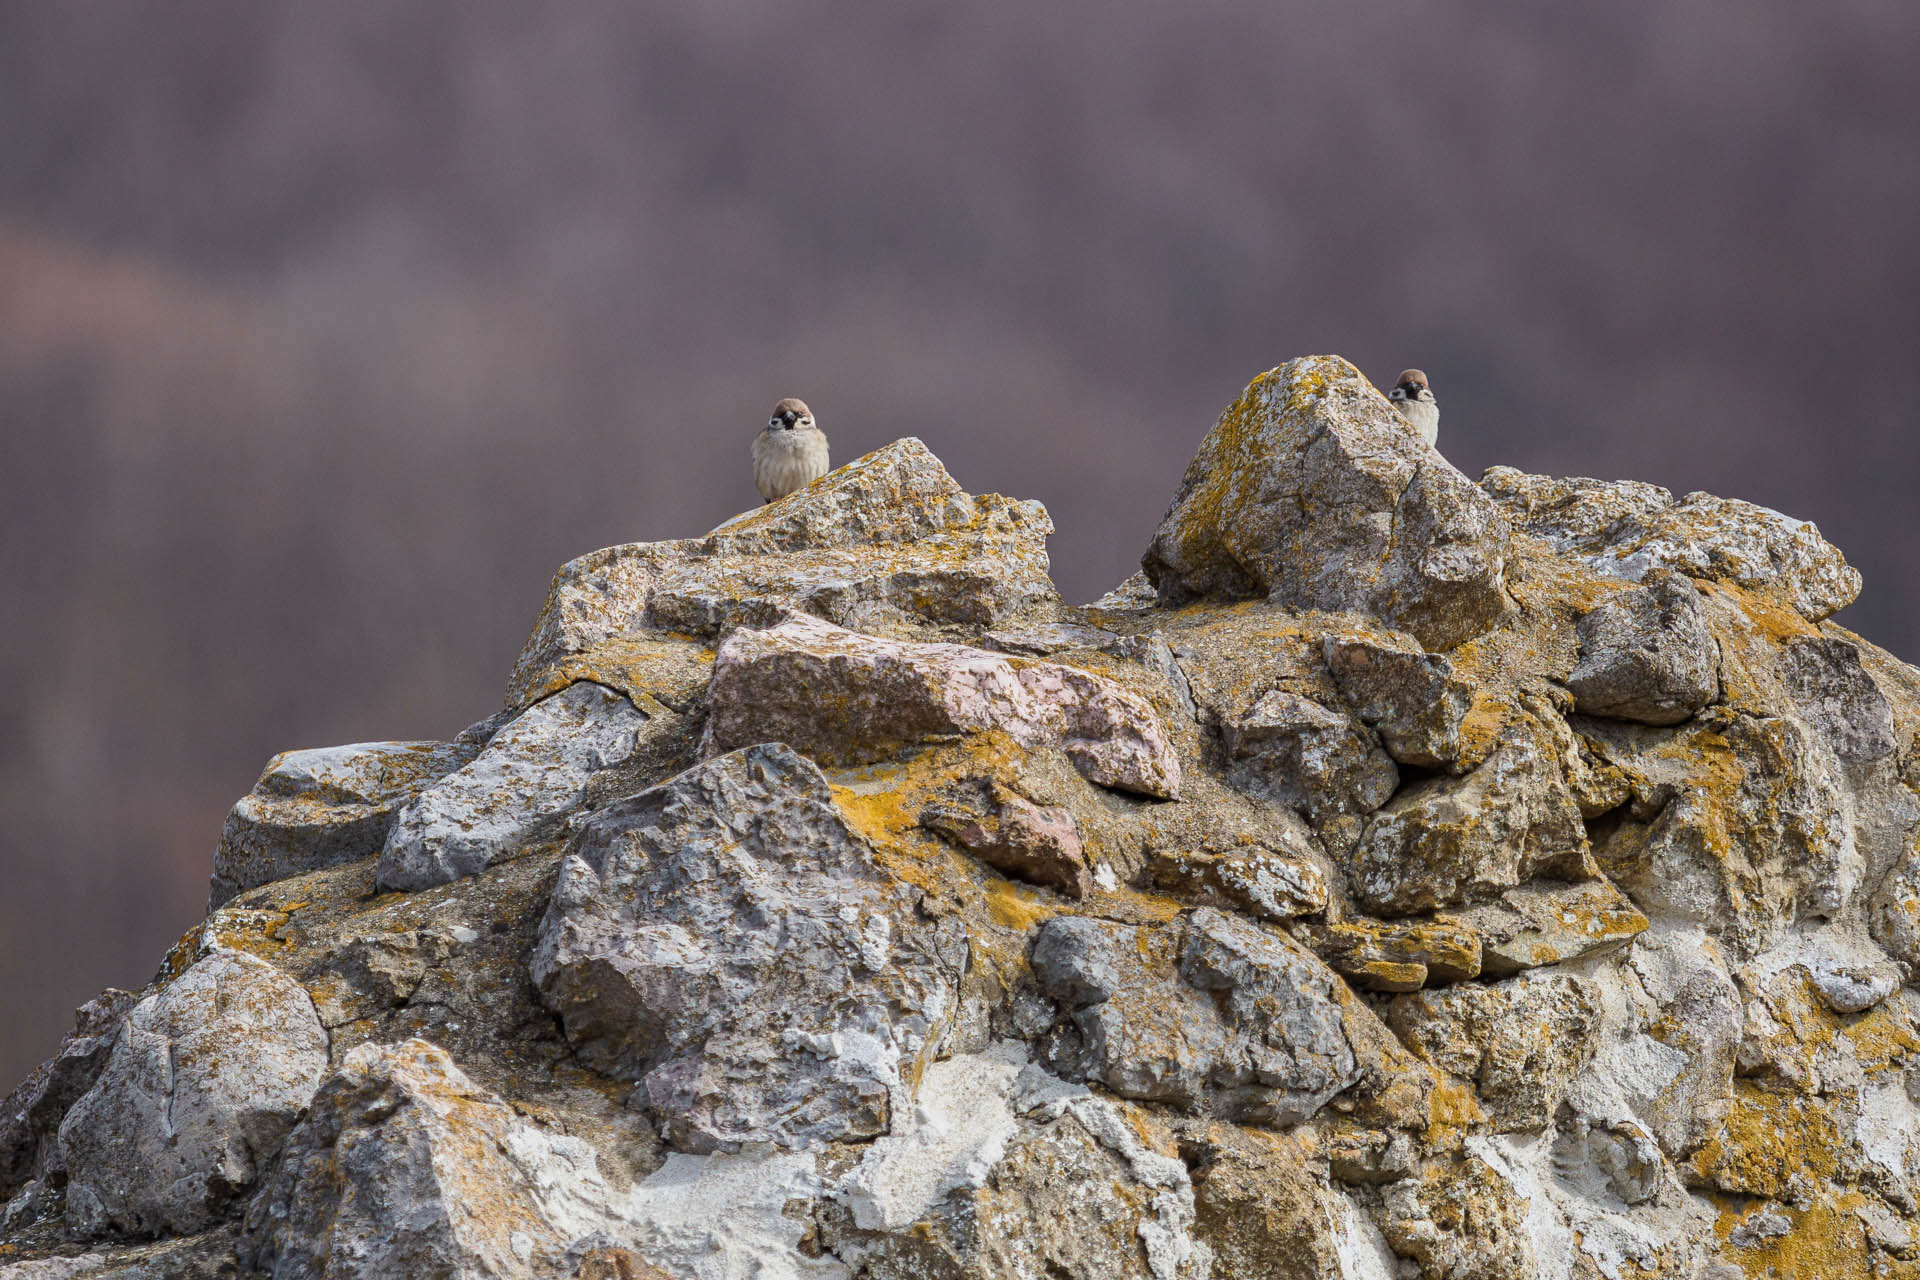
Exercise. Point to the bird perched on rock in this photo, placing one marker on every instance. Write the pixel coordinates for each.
(790, 452)
(1414, 399)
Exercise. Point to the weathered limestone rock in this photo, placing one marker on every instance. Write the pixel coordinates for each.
(889, 537)
(1302, 754)
(1408, 696)
(1737, 825)
(1219, 1012)
(1269, 884)
(1011, 833)
(1540, 924)
(1625, 529)
(727, 943)
(1449, 840)
(1838, 698)
(846, 698)
(1648, 838)
(1006, 1170)
(204, 1081)
(531, 775)
(1311, 490)
(313, 809)
(1647, 655)
(1521, 1041)
(1264, 1212)
(1397, 957)
(1462, 1220)
(406, 1167)
(30, 1115)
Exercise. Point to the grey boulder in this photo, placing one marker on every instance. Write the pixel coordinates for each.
(1219, 1012)
(1647, 655)
(1313, 491)
(206, 1078)
(727, 943)
(520, 789)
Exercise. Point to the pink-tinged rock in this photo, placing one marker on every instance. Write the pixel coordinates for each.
(846, 698)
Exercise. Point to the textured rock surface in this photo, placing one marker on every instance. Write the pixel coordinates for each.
(532, 774)
(202, 1085)
(1626, 529)
(405, 1167)
(1218, 1012)
(1447, 840)
(888, 538)
(831, 901)
(1647, 655)
(1312, 491)
(313, 809)
(726, 942)
(848, 698)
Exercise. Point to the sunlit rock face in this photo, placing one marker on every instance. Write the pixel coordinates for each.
(1404, 876)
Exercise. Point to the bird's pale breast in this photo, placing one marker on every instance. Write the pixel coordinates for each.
(787, 460)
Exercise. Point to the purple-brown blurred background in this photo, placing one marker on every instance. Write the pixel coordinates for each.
(327, 331)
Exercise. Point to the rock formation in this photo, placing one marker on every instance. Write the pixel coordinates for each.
(1405, 877)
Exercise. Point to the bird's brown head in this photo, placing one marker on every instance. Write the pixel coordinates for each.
(790, 415)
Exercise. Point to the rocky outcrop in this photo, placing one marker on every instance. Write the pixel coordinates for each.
(887, 540)
(1627, 529)
(1313, 492)
(1414, 878)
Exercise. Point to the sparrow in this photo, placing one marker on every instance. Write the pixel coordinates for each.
(1414, 399)
(790, 452)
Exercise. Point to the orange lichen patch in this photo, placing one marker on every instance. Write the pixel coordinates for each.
(1882, 1039)
(1453, 1113)
(1772, 617)
(181, 955)
(1825, 1241)
(1014, 906)
(1766, 1138)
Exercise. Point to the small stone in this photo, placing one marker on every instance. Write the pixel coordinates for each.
(1447, 840)
(1534, 925)
(1838, 697)
(1307, 756)
(1263, 882)
(1409, 697)
(320, 808)
(1380, 956)
(1012, 834)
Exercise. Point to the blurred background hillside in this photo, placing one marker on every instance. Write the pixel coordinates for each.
(327, 331)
